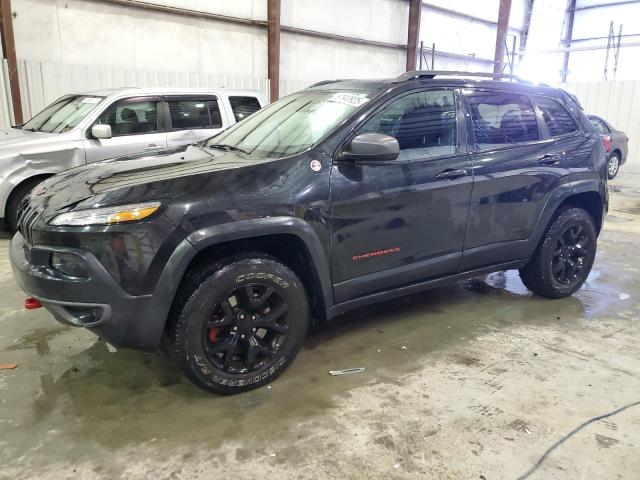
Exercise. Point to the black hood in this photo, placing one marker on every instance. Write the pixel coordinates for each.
(135, 178)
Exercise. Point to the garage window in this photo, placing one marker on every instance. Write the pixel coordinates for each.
(196, 113)
(242, 107)
(131, 117)
(424, 124)
(557, 118)
(502, 119)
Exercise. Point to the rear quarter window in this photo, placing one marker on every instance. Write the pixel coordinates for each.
(242, 107)
(557, 118)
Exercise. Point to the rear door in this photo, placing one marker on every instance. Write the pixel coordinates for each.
(193, 118)
(515, 168)
(403, 221)
(136, 127)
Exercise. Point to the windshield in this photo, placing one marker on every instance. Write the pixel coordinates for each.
(63, 115)
(292, 124)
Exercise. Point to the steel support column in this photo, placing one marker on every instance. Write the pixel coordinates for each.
(9, 52)
(273, 48)
(501, 34)
(567, 39)
(413, 33)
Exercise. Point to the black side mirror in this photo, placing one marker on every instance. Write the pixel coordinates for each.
(372, 146)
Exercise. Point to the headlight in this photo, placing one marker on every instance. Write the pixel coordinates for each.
(107, 215)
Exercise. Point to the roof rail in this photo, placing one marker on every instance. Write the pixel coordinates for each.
(325, 82)
(418, 74)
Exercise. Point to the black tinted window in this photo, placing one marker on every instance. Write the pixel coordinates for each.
(557, 118)
(501, 119)
(599, 124)
(424, 124)
(131, 117)
(197, 113)
(243, 106)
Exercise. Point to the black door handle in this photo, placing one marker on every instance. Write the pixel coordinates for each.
(451, 173)
(550, 159)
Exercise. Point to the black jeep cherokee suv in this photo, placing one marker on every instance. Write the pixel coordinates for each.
(344, 194)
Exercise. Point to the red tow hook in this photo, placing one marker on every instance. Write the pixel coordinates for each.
(31, 303)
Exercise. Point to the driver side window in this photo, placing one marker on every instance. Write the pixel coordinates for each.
(424, 124)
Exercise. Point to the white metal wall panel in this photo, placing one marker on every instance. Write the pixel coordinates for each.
(618, 103)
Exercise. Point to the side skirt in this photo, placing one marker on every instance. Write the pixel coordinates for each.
(344, 307)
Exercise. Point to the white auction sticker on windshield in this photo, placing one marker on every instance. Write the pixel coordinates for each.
(351, 99)
(91, 100)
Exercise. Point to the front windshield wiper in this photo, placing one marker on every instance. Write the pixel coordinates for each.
(228, 148)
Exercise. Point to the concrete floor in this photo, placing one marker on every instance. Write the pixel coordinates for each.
(490, 378)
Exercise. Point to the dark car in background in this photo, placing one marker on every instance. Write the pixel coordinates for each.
(344, 194)
(616, 144)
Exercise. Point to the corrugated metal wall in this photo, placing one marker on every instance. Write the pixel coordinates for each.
(618, 103)
(43, 82)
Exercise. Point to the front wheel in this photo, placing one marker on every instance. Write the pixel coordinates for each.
(238, 324)
(613, 166)
(564, 257)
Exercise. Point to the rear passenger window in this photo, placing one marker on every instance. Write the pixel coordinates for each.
(557, 118)
(242, 107)
(600, 126)
(502, 119)
(424, 124)
(197, 113)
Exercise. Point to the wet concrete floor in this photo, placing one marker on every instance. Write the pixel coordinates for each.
(490, 378)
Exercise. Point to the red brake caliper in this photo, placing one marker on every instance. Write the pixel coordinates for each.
(213, 335)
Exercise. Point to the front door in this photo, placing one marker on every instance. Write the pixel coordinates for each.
(399, 222)
(135, 128)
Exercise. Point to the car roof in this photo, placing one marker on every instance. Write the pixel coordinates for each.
(441, 79)
(136, 91)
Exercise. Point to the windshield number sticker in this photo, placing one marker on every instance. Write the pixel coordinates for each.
(92, 100)
(352, 99)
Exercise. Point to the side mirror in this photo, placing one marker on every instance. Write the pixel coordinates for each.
(101, 131)
(373, 146)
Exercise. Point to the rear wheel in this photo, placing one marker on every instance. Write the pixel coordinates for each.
(564, 257)
(238, 324)
(613, 165)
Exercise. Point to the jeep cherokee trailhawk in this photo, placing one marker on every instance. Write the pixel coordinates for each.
(346, 193)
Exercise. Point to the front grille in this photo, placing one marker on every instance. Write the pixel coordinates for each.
(27, 217)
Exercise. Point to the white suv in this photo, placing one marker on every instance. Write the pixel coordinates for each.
(83, 128)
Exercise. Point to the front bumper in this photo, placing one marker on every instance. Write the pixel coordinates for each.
(95, 302)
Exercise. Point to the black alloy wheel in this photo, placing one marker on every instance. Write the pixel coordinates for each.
(571, 254)
(246, 328)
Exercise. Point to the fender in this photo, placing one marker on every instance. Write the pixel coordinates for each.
(559, 195)
(169, 281)
(260, 227)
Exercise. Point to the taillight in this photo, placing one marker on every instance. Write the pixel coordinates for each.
(606, 141)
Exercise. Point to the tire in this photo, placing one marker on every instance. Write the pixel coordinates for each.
(564, 257)
(613, 166)
(15, 199)
(228, 348)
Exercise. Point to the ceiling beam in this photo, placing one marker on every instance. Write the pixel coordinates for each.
(603, 5)
(464, 16)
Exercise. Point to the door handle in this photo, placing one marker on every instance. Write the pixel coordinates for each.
(451, 174)
(550, 159)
